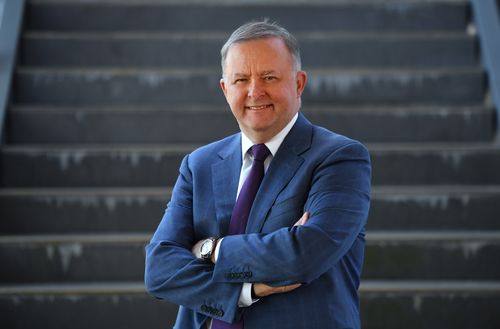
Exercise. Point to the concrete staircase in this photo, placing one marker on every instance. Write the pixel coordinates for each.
(109, 95)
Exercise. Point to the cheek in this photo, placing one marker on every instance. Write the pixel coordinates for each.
(235, 96)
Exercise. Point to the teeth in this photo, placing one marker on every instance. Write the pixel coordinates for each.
(258, 107)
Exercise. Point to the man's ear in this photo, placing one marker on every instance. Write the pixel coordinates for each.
(301, 80)
(223, 86)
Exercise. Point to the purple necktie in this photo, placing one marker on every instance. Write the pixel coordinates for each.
(242, 208)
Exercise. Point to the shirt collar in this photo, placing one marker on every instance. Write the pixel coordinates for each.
(273, 144)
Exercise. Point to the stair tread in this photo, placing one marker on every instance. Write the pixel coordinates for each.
(196, 35)
(160, 71)
(378, 191)
(203, 108)
(367, 286)
(184, 148)
(375, 236)
(226, 2)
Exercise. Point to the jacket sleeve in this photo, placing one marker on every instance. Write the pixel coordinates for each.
(173, 273)
(338, 202)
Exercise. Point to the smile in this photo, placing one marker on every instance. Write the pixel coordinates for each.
(258, 108)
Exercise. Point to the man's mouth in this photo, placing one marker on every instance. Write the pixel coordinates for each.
(259, 108)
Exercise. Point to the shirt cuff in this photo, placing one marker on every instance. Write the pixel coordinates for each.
(246, 295)
(217, 249)
(246, 290)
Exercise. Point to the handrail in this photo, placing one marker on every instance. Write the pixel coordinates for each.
(487, 21)
(11, 15)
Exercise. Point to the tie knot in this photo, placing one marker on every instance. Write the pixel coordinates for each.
(260, 152)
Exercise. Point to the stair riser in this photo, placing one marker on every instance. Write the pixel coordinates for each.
(342, 17)
(72, 262)
(157, 88)
(378, 311)
(186, 51)
(78, 214)
(435, 212)
(79, 262)
(142, 213)
(431, 260)
(80, 127)
(80, 168)
(436, 168)
(429, 310)
(86, 311)
(134, 168)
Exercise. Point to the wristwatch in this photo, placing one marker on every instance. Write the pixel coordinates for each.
(208, 248)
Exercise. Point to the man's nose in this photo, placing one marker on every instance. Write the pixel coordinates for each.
(255, 89)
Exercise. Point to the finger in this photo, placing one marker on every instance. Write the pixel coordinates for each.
(305, 217)
(289, 288)
(302, 220)
(293, 286)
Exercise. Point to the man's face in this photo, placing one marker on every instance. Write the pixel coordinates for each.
(262, 87)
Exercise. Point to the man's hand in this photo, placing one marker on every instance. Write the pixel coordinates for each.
(263, 290)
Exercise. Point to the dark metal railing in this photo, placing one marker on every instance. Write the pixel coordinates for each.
(11, 15)
(487, 21)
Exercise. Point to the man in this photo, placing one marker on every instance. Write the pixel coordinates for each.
(238, 248)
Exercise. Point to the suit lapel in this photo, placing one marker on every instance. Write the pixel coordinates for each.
(282, 169)
(225, 177)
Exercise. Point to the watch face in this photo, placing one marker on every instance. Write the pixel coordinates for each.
(206, 247)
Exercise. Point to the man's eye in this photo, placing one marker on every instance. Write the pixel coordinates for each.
(240, 80)
(269, 78)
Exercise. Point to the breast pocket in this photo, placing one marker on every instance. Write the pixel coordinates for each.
(284, 213)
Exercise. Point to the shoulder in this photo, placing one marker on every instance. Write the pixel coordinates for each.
(216, 150)
(328, 142)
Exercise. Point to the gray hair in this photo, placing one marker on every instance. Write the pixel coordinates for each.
(261, 30)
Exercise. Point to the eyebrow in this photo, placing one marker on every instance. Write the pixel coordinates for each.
(268, 72)
(243, 75)
(240, 75)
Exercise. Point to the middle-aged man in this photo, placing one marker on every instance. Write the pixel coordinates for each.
(265, 228)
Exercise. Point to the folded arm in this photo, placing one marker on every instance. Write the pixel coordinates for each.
(173, 273)
(338, 202)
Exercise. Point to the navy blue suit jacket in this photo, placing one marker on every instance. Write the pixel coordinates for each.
(314, 170)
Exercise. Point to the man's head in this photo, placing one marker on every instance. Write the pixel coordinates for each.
(261, 30)
(262, 80)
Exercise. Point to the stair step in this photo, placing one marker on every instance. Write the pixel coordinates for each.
(149, 165)
(107, 257)
(46, 211)
(318, 49)
(435, 164)
(64, 258)
(201, 123)
(432, 255)
(434, 207)
(225, 16)
(385, 304)
(168, 86)
(429, 304)
(128, 210)
(84, 305)
(366, 287)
